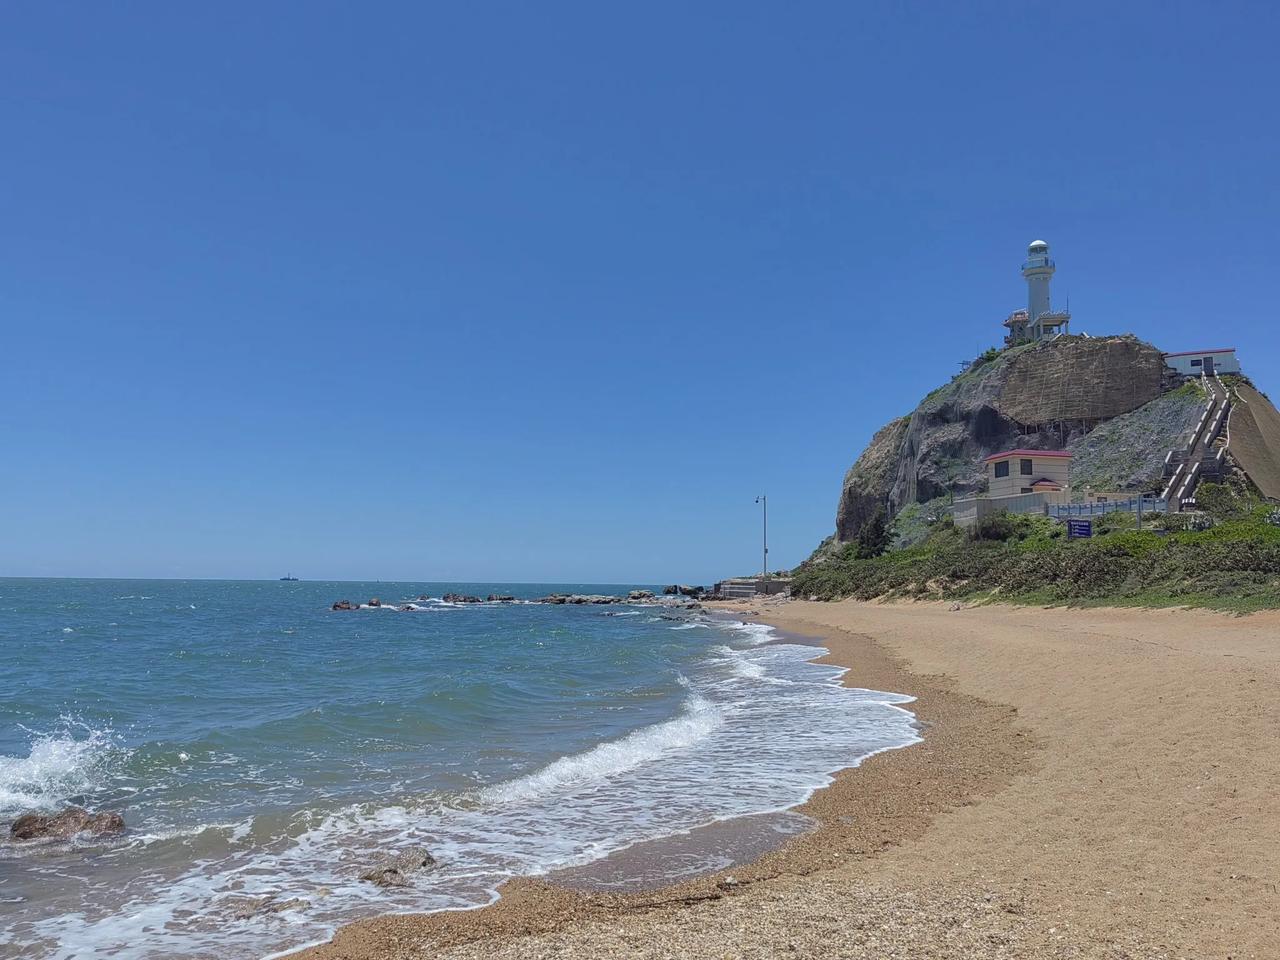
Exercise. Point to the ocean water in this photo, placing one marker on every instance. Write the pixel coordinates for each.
(259, 744)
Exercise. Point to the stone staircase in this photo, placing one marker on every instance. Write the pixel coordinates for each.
(1204, 455)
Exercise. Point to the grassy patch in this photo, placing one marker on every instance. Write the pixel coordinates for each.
(1233, 566)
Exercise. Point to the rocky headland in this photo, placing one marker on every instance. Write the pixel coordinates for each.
(1109, 400)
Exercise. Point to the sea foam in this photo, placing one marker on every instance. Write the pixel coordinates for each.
(759, 727)
(699, 719)
(72, 760)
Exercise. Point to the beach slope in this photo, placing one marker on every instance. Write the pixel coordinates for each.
(1096, 783)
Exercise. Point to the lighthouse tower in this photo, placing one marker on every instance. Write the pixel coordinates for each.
(1038, 270)
(1042, 321)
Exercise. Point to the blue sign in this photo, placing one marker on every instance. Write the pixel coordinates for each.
(1079, 528)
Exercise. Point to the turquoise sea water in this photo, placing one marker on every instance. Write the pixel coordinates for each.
(258, 743)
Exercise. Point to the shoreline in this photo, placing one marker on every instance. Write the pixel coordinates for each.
(885, 800)
(1092, 783)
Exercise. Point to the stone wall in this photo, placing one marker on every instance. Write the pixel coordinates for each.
(1078, 378)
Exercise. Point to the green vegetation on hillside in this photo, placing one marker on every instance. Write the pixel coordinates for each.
(1233, 564)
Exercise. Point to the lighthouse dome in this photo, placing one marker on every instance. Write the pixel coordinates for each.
(1037, 246)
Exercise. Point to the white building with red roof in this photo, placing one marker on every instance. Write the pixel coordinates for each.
(1017, 472)
(1018, 481)
(1192, 363)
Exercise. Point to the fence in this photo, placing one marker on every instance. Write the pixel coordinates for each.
(969, 511)
(1133, 505)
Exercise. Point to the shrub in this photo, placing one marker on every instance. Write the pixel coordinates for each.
(1173, 521)
(873, 537)
(995, 526)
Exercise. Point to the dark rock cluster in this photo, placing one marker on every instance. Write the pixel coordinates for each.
(683, 590)
(575, 599)
(65, 824)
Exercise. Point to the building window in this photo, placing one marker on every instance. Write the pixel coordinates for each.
(1002, 468)
(1197, 363)
(1025, 467)
(1027, 490)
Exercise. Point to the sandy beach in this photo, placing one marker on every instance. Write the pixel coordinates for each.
(1091, 783)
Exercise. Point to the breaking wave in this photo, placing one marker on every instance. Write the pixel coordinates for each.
(73, 760)
(699, 719)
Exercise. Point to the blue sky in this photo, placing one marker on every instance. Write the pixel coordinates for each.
(553, 291)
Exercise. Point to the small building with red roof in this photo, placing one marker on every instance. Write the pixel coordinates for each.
(1016, 472)
(1192, 363)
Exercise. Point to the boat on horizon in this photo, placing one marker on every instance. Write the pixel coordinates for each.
(289, 576)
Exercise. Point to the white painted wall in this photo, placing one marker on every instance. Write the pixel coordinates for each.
(1192, 364)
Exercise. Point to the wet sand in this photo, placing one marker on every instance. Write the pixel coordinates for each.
(1098, 783)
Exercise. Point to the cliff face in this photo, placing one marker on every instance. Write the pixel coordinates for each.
(867, 484)
(1037, 396)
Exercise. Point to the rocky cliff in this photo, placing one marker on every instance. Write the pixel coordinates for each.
(1039, 396)
(867, 484)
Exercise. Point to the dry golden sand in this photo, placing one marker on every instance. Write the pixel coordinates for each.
(1095, 783)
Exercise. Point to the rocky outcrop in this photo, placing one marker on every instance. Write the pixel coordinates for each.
(575, 599)
(397, 871)
(1081, 378)
(1034, 396)
(579, 598)
(1128, 453)
(65, 824)
(869, 480)
(683, 590)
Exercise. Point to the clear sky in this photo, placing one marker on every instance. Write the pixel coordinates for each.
(552, 291)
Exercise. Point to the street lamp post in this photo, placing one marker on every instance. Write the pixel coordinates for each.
(764, 561)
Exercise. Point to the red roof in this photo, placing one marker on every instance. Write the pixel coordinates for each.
(1027, 453)
(1197, 353)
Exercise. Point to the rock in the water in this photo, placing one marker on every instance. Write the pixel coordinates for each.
(375, 602)
(500, 598)
(244, 908)
(64, 825)
(344, 605)
(396, 871)
(640, 595)
(461, 598)
(683, 590)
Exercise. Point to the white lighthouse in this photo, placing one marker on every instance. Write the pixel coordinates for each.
(1038, 270)
(1041, 321)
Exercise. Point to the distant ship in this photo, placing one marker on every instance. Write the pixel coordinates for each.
(289, 577)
